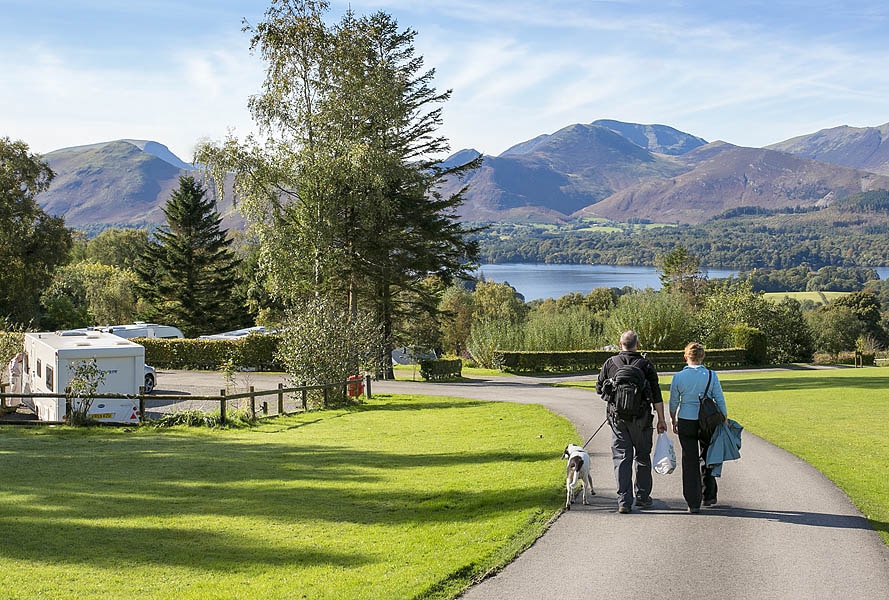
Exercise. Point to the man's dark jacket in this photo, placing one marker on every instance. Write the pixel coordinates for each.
(609, 369)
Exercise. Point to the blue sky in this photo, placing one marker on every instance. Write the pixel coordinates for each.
(176, 71)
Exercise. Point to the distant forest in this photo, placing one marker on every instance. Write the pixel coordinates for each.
(853, 232)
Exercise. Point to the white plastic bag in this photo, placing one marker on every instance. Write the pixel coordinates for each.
(664, 455)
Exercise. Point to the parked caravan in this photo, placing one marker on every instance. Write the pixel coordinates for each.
(47, 368)
(141, 329)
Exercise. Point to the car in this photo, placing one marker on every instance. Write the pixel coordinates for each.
(150, 378)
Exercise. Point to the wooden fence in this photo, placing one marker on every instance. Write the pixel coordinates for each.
(257, 407)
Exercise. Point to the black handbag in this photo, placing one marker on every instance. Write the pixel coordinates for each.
(709, 415)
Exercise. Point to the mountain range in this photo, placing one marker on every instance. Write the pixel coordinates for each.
(602, 170)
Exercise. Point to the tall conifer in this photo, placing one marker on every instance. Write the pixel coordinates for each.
(188, 274)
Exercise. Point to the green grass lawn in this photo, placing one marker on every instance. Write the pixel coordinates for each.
(834, 419)
(412, 372)
(401, 497)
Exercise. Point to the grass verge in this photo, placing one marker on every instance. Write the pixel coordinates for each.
(412, 372)
(401, 497)
(834, 419)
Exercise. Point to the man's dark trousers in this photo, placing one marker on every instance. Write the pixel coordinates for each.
(631, 443)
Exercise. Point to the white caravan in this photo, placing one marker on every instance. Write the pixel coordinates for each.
(48, 368)
(142, 329)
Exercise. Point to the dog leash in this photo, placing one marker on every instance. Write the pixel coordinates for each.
(595, 432)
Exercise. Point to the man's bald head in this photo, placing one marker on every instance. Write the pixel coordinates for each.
(629, 340)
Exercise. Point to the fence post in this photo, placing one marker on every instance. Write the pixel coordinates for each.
(252, 405)
(305, 395)
(280, 399)
(367, 386)
(326, 391)
(141, 403)
(222, 418)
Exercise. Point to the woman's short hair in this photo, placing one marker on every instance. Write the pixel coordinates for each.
(695, 351)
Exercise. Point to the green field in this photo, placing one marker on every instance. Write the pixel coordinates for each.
(816, 297)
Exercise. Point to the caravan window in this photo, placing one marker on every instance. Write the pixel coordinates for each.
(39, 370)
(49, 382)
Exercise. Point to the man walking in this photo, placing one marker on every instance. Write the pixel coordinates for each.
(631, 432)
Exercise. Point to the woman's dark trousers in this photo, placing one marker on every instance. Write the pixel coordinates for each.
(698, 483)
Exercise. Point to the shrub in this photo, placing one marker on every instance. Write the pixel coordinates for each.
(321, 343)
(82, 388)
(487, 337)
(433, 370)
(753, 340)
(663, 321)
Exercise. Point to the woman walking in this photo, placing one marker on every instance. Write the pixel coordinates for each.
(698, 484)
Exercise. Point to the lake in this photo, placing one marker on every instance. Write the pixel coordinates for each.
(539, 281)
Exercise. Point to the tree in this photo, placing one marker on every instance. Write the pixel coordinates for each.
(89, 293)
(188, 274)
(32, 244)
(726, 304)
(497, 302)
(680, 272)
(835, 328)
(342, 197)
(117, 247)
(456, 308)
(789, 339)
(866, 308)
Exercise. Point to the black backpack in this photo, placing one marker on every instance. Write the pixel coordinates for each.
(709, 415)
(628, 391)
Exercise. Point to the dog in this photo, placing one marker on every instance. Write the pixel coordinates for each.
(578, 470)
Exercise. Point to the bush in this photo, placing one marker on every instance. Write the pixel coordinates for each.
(845, 358)
(753, 340)
(434, 370)
(322, 343)
(662, 320)
(487, 337)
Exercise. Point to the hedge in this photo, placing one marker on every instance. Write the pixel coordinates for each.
(254, 352)
(592, 360)
(432, 370)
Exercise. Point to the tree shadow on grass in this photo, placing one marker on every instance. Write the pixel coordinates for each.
(89, 496)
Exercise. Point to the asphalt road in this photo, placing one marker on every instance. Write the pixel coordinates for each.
(781, 530)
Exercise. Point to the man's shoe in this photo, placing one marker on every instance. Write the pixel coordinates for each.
(694, 511)
(644, 503)
(709, 502)
(624, 509)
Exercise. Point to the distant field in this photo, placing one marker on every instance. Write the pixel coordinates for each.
(817, 297)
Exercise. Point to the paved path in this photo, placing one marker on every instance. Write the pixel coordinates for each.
(780, 530)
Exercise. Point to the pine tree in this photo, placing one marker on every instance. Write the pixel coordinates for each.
(188, 273)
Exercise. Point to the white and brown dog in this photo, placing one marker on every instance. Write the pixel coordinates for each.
(578, 470)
